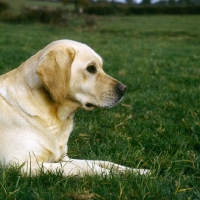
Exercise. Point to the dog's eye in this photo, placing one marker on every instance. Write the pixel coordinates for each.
(91, 69)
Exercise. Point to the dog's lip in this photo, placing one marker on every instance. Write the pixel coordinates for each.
(90, 105)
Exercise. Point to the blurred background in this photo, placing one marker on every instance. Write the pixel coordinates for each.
(57, 11)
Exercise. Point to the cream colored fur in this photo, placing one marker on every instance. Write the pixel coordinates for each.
(38, 101)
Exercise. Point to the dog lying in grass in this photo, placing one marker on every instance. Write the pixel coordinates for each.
(38, 101)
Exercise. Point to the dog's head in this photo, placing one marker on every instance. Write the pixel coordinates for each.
(73, 71)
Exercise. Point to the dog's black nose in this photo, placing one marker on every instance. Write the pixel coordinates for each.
(121, 88)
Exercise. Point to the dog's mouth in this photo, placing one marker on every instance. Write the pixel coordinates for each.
(91, 106)
(113, 100)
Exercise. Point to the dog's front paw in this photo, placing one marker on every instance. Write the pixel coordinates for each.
(145, 172)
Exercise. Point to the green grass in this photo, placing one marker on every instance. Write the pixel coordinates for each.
(157, 125)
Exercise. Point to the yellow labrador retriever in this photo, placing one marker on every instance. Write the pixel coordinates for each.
(38, 101)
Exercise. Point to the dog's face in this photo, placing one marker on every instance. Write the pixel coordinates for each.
(80, 76)
(90, 85)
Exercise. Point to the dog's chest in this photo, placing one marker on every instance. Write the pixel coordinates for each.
(59, 139)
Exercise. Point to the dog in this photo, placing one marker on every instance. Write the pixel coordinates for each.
(38, 101)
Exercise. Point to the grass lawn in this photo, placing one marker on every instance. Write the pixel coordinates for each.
(156, 126)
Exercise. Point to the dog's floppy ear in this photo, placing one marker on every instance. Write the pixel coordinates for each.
(54, 71)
